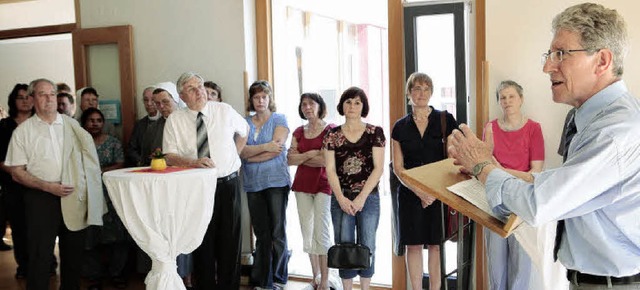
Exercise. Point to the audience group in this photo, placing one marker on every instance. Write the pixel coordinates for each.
(54, 150)
(52, 154)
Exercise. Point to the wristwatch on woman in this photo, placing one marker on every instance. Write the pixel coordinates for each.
(477, 169)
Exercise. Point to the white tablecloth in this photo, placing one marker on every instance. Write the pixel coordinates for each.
(166, 214)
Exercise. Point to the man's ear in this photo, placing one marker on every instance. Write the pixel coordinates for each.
(604, 61)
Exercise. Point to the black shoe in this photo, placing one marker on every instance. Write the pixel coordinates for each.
(119, 282)
(20, 275)
(5, 247)
(95, 286)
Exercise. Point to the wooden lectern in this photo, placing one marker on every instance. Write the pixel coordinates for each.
(434, 178)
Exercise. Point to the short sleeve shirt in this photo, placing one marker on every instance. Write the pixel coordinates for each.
(222, 122)
(420, 150)
(38, 145)
(310, 179)
(516, 149)
(354, 161)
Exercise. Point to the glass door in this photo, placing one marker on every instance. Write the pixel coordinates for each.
(435, 44)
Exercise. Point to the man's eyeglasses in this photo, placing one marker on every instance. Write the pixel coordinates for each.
(556, 56)
(416, 90)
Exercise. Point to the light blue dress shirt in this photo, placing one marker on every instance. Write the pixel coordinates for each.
(596, 191)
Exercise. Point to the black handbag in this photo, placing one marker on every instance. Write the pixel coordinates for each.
(349, 256)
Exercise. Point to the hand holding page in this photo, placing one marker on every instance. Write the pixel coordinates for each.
(434, 178)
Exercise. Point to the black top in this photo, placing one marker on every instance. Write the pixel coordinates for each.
(7, 126)
(416, 150)
(145, 138)
(418, 225)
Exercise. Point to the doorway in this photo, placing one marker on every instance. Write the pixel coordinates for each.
(435, 43)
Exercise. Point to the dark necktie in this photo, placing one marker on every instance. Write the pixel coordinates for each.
(570, 131)
(202, 139)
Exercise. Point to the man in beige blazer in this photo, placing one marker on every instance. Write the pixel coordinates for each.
(56, 160)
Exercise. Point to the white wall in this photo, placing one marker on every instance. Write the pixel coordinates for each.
(172, 37)
(25, 59)
(36, 13)
(518, 32)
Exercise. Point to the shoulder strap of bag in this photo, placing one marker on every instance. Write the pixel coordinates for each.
(443, 125)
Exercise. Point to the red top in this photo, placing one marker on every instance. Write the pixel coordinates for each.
(516, 149)
(310, 179)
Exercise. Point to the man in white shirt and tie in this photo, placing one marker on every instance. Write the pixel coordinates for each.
(205, 135)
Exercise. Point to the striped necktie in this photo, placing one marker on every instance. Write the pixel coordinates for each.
(570, 131)
(202, 139)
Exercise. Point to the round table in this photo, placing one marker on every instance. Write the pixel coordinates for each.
(167, 214)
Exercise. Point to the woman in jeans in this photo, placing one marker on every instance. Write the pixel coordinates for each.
(354, 154)
(265, 176)
(311, 186)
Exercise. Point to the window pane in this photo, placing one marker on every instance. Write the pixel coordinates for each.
(326, 49)
(435, 54)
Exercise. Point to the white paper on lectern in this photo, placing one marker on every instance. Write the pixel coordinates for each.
(473, 191)
(537, 242)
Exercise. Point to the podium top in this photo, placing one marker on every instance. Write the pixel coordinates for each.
(434, 178)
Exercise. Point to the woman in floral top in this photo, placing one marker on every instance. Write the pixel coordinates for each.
(354, 155)
(112, 239)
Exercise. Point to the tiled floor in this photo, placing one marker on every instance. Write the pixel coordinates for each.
(135, 281)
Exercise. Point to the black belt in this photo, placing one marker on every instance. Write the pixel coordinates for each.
(228, 177)
(578, 278)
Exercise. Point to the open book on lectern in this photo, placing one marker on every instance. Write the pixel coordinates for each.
(443, 180)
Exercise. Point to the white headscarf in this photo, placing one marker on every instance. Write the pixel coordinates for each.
(171, 89)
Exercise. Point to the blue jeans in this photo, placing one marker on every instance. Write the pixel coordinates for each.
(365, 223)
(268, 209)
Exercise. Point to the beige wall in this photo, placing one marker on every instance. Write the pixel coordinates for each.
(214, 38)
(518, 32)
(25, 59)
(36, 13)
(205, 36)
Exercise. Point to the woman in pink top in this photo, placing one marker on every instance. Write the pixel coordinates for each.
(518, 149)
(313, 193)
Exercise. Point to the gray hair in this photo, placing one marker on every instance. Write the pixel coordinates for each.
(509, 84)
(34, 83)
(149, 88)
(185, 77)
(599, 28)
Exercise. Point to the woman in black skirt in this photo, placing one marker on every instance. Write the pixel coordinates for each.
(417, 140)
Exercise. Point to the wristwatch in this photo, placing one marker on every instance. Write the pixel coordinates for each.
(477, 169)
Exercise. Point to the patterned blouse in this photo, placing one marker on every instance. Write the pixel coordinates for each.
(110, 151)
(354, 161)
